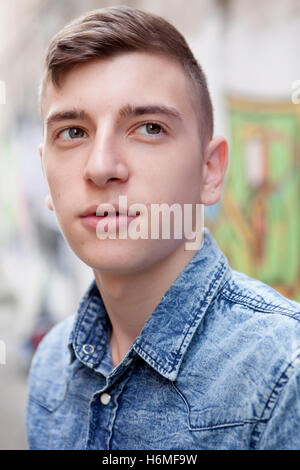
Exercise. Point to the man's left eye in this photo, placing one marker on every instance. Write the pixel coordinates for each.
(72, 133)
(150, 128)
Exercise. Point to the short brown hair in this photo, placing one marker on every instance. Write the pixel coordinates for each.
(105, 32)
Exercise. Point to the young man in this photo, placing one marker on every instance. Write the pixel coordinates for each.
(170, 348)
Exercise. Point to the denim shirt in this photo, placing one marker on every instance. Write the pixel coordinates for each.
(216, 366)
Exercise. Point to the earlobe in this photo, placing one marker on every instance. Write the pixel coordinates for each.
(49, 202)
(214, 168)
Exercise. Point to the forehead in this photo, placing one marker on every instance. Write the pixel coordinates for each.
(135, 76)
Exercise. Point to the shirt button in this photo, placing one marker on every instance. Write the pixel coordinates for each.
(105, 398)
(88, 348)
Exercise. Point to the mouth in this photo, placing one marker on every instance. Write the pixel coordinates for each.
(107, 210)
(93, 216)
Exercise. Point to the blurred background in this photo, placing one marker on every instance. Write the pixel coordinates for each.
(249, 52)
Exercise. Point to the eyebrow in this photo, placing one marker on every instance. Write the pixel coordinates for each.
(126, 111)
(71, 114)
(132, 111)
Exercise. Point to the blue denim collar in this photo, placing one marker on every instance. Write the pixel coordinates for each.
(168, 332)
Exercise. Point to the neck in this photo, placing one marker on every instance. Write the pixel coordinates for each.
(130, 299)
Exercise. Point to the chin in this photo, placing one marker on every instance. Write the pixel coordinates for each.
(123, 256)
(111, 256)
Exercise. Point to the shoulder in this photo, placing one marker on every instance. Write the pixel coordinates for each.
(56, 339)
(267, 326)
(265, 319)
(48, 378)
(258, 329)
(244, 354)
(52, 354)
(245, 290)
(249, 319)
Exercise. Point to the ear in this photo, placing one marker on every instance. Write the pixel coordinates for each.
(214, 168)
(41, 149)
(48, 200)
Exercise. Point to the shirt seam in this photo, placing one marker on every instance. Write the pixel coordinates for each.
(213, 426)
(259, 306)
(279, 386)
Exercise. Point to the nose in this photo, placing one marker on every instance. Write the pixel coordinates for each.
(106, 161)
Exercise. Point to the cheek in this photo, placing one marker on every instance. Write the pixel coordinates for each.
(55, 187)
(61, 183)
(180, 181)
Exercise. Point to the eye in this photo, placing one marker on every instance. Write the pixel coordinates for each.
(72, 133)
(150, 128)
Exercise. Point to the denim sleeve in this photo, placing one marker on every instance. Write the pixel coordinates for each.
(282, 430)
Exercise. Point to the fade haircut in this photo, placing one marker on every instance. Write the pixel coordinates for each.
(106, 32)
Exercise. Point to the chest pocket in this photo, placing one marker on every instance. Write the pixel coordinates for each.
(47, 391)
(48, 383)
(218, 413)
(51, 391)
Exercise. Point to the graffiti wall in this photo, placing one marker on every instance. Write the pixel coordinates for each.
(258, 222)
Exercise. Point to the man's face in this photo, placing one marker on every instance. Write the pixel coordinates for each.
(97, 149)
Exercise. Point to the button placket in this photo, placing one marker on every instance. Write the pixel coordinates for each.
(105, 408)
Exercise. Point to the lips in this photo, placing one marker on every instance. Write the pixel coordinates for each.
(93, 217)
